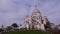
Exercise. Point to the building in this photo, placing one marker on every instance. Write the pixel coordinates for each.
(34, 22)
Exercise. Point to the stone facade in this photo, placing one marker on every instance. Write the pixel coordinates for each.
(35, 22)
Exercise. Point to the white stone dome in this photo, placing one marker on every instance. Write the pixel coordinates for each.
(36, 11)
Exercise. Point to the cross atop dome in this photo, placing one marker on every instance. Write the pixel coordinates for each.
(35, 6)
(36, 10)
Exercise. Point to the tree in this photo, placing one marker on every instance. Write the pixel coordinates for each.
(14, 25)
(8, 28)
(48, 25)
(20, 24)
(1, 30)
(59, 25)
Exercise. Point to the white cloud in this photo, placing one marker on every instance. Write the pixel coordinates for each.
(16, 10)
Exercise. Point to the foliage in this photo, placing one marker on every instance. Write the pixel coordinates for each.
(9, 28)
(59, 25)
(28, 32)
(48, 25)
(1, 30)
(14, 25)
(54, 31)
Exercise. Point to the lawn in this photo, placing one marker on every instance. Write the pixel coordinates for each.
(28, 32)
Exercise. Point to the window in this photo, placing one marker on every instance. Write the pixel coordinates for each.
(27, 22)
(42, 21)
(37, 22)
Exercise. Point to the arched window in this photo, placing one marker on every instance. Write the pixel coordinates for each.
(42, 21)
(27, 22)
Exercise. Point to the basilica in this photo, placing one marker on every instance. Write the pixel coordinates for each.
(36, 21)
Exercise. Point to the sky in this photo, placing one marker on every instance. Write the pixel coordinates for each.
(14, 11)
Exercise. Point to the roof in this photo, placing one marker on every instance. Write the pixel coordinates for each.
(36, 10)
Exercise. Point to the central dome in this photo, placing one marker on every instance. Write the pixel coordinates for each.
(35, 11)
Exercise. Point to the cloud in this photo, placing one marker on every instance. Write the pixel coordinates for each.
(16, 10)
(52, 10)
